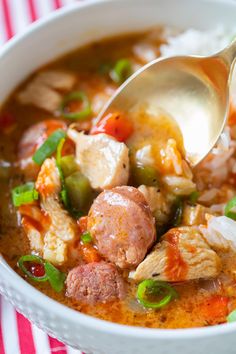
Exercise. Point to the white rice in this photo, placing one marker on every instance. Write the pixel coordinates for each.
(194, 42)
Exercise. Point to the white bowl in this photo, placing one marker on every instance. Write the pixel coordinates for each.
(57, 34)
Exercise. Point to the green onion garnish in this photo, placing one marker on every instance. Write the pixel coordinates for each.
(230, 209)
(86, 237)
(149, 290)
(83, 113)
(63, 193)
(24, 194)
(49, 146)
(121, 71)
(58, 158)
(65, 198)
(51, 273)
(55, 277)
(59, 150)
(231, 317)
(32, 259)
(193, 197)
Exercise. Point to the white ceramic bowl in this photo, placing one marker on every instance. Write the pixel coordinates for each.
(44, 41)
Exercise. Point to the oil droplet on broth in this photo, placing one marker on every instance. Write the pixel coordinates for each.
(153, 126)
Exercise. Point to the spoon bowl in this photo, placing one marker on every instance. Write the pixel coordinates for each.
(194, 91)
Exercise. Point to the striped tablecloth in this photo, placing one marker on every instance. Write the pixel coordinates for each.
(17, 334)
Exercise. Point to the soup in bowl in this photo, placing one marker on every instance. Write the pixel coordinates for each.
(107, 216)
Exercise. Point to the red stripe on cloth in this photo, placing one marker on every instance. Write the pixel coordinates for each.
(57, 4)
(32, 11)
(2, 350)
(25, 335)
(7, 19)
(56, 346)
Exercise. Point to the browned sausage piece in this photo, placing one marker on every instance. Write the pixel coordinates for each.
(95, 282)
(122, 226)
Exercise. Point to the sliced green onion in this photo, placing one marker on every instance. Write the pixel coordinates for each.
(230, 209)
(231, 317)
(64, 197)
(59, 157)
(86, 237)
(34, 259)
(193, 197)
(178, 212)
(59, 150)
(55, 277)
(121, 71)
(152, 288)
(48, 147)
(24, 194)
(76, 96)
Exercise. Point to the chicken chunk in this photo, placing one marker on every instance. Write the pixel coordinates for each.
(62, 229)
(220, 233)
(160, 206)
(41, 96)
(57, 79)
(42, 91)
(34, 236)
(182, 254)
(34, 222)
(102, 159)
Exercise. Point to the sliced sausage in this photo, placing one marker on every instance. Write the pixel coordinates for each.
(122, 226)
(95, 282)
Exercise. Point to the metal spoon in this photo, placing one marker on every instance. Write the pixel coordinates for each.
(193, 90)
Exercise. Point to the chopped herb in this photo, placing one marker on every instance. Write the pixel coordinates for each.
(121, 71)
(86, 237)
(82, 113)
(48, 147)
(155, 294)
(230, 209)
(24, 194)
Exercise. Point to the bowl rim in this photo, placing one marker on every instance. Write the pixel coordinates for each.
(61, 310)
